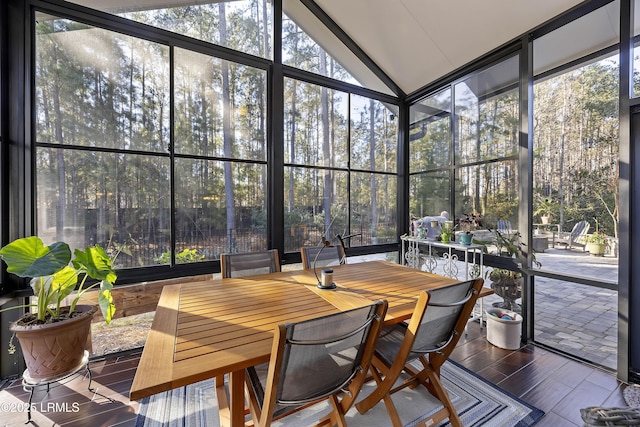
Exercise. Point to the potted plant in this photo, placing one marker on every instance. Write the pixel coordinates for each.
(508, 283)
(446, 231)
(468, 223)
(597, 242)
(545, 209)
(54, 329)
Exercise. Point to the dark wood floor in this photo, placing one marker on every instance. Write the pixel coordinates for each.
(557, 385)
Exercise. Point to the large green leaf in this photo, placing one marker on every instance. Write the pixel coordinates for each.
(28, 257)
(64, 282)
(95, 262)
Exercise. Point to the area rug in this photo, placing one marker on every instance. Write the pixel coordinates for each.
(478, 402)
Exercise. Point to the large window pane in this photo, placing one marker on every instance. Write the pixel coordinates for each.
(315, 128)
(575, 169)
(575, 182)
(578, 319)
(216, 214)
(490, 188)
(373, 208)
(244, 25)
(115, 200)
(485, 142)
(317, 206)
(300, 51)
(429, 194)
(593, 32)
(374, 135)
(487, 114)
(98, 88)
(430, 134)
(309, 45)
(317, 120)
(220, 108)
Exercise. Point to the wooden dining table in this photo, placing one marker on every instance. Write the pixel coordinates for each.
(207, 329)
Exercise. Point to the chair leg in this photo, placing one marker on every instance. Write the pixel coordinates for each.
(443, 396)
(382, 388)
(378, 368)
(382, 392)
(337, 410)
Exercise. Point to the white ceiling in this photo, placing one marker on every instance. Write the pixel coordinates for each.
(416, 42)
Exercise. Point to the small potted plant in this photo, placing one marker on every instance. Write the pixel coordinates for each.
(597, 242)
(545, 209)
(468, 223)
(446, 231)
(55, 329)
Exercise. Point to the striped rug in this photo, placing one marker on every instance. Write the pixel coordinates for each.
(479, 403)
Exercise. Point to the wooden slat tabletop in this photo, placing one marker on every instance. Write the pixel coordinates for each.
(205, 329)
(361, 283)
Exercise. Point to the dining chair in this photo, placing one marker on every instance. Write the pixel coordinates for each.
(249, 263)
(314, 360)
(330, 255)
(437, 322)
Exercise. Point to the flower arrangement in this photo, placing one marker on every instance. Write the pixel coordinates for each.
(470, 221)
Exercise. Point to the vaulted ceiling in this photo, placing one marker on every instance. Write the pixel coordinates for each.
(416, 42)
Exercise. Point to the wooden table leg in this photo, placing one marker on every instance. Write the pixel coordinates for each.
(236, 397)
(231, 406)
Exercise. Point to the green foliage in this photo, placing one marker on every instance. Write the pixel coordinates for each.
(508, 245)
(597, 237)
(54, 278)
(545, 206)
(501, 206)
(446, 230)
(499, 274)
(183, 257)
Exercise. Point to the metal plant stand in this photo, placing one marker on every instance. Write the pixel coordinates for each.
(30, 384)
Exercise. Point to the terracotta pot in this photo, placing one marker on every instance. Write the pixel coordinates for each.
(56, 349)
